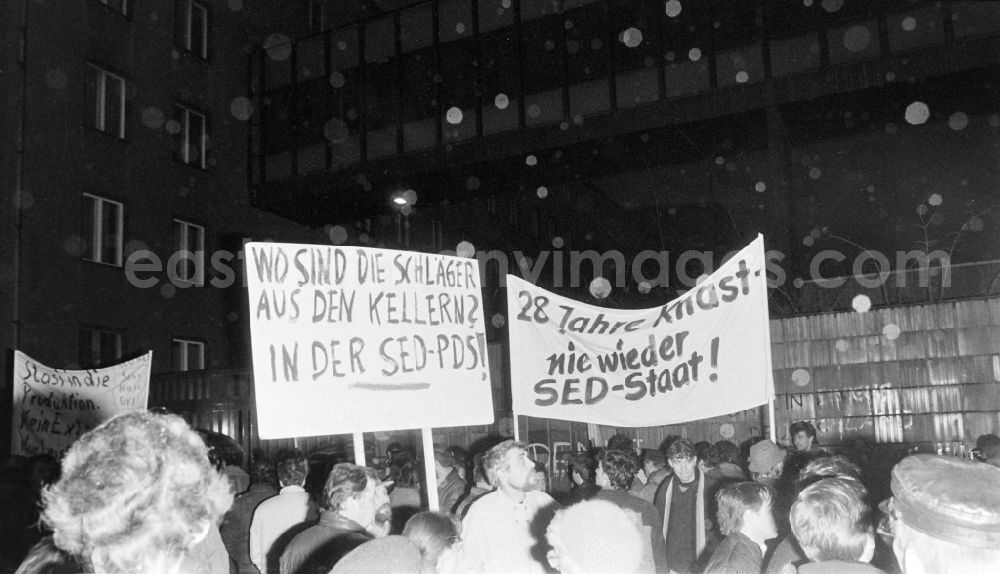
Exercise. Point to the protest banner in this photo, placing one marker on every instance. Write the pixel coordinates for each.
(353, 339)
(53, 407)
(704, 354)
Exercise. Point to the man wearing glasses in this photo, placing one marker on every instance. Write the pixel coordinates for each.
(681, 500)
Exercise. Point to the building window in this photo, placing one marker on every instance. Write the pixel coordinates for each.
(402, 230)
(187, 355)
(491, 205)
(512, 214)
(103, 228)
(99, 347)
(106, 105)
(120, 6)
(193, 136)
(193, 29)
(437, 235)
(190, 254)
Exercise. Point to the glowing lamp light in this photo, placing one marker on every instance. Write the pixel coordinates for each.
(399, 200)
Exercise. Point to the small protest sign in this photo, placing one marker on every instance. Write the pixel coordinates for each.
(53, 407)
(704, 354)
(353, 339)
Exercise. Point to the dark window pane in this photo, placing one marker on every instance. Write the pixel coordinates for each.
(493, 15)
(380, 40)
(458, 74)
(87, 352)
(455, 18)
(588, 55)
(90, 228)
(344, 48)
(114, 103)
(416, 28)
(109, 231)
(93, 103)
(543, 54)
(637, 34)
(499, 70)
(176, 350)
(418, 84)
(735, 23)
(109, 347)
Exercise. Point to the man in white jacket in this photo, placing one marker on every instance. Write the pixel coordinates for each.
(281, 517)
(504, 531)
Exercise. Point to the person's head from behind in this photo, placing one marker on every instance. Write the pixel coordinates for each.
(292, 467)
(830, 521)
(403, 472)
(683, 459)
(262, 471)
(508, 462)
(747, 507)
(136, 494)
(708, 455)
(596, 537)
(620, 442)
(355, 492)
(828, 466)
(767, 461)
(653, 460)
(615, 470)
(944, 516)
(728, 452)
(438, 536)
(581, 468)
(803, 434)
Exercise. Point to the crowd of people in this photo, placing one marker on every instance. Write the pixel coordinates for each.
(141, 494)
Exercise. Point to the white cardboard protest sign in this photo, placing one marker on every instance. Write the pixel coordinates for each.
(53, 407)
(704, 354)
(352, 339)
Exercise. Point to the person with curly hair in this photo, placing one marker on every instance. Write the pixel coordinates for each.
(355, 509)
(685, 501)
(137, 493)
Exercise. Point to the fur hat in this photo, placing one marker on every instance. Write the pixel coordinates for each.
(764, 455)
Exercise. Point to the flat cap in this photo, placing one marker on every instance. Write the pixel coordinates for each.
(764, 455)
(949, 498)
